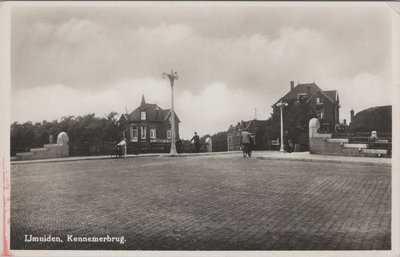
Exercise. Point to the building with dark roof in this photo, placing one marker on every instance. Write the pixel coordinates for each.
(259, 129)
(324, 103)
(148, 128)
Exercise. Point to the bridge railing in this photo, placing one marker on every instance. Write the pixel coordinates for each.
(384, 140)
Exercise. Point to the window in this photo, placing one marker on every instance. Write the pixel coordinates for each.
(168, 134)
(301, 97)
(320, 100)
(143, 115)
(320, 113)
(134, 133)
(152, 133)
(143, 132)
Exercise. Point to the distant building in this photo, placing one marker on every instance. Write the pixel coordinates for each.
(259, 129)
(324, 103)
(148, 128)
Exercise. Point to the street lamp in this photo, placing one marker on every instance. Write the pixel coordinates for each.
(172, 77)
(281, 104)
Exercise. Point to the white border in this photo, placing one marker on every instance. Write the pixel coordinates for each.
(5, 13)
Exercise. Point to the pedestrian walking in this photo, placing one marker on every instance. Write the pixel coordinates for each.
(287, 142)
(179, 145)
(196, 141)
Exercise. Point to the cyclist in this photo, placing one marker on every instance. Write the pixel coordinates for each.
(122, 145)
(246, 140)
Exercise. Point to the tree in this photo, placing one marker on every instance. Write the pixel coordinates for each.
(219, 142)
(296, 116)
(375, 118)
(80, 129)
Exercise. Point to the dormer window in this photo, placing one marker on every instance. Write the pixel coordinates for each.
(302, 97)
(142, 115)
(320, 100)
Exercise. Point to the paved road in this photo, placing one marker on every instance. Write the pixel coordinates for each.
(221, 202)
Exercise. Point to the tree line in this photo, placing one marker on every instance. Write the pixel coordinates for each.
(82, 129)
(86, 128)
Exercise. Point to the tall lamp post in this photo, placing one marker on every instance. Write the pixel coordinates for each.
(281, 104)
(172, 77)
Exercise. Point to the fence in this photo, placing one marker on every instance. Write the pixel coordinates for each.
(15, 150)
(101, 147)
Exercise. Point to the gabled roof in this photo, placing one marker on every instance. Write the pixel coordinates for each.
(310, 88)
(123, 116)
(169, 114)
(153, 112)
(300, 88)
(333, 94)
(322, 93)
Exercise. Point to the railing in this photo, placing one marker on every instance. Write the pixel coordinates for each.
(384, 140)
(14, 151)
(381, 135)
(105, 144)
(97, 147)
(100, 147)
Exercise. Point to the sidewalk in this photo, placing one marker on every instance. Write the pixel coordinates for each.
(263, 155)
(307, 157)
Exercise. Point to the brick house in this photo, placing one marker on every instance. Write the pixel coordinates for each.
(259, 129)
(148, 128)
(324, 103)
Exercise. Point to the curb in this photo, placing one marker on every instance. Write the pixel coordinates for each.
(108, 157)
(325, 161)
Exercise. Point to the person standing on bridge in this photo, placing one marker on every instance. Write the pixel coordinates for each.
(196, 141)
(122, 144)
(287, 142)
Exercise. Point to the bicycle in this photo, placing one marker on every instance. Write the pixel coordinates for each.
(246, 150)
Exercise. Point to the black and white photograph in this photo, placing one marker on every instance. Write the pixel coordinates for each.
(212, 128)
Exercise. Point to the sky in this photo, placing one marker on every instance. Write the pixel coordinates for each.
(234, 60)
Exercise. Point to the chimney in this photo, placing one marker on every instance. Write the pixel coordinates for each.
(351, 115)
(291, 85)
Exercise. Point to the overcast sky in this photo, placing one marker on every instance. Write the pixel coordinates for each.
(231, 58)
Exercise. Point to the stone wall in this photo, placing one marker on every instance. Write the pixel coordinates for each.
(48, 151)
(325, 144)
